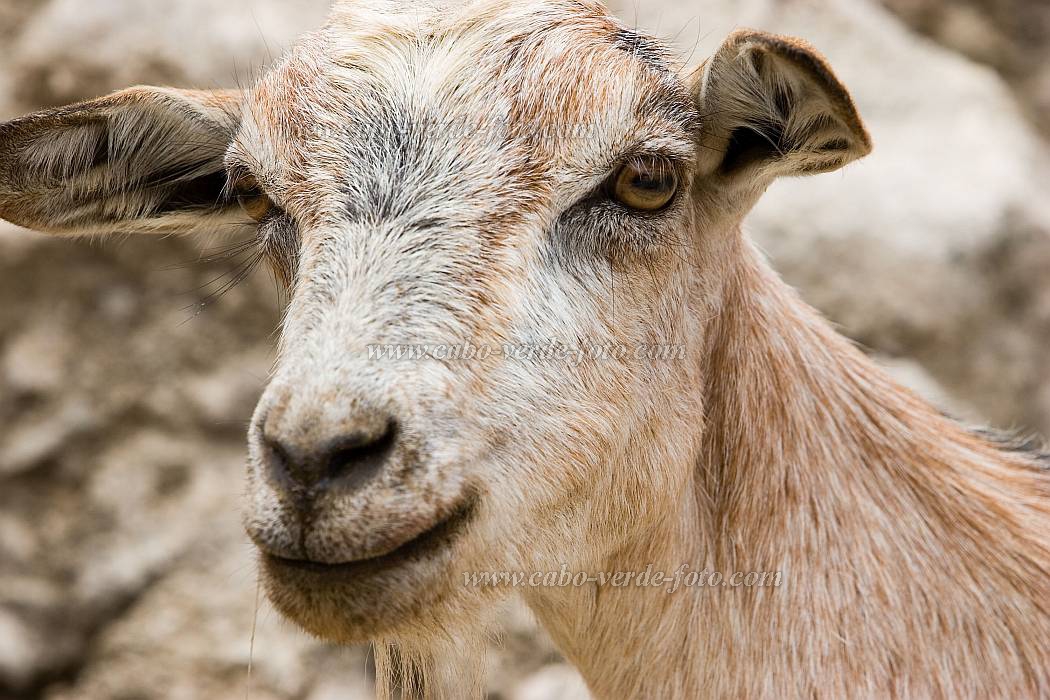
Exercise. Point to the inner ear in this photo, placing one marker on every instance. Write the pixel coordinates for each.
(748, 146)
(204, 193)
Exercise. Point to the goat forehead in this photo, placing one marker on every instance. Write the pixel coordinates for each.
(491, 96)
(553, 59)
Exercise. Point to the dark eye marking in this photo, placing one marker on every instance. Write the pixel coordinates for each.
(646, 49)
(279, 244)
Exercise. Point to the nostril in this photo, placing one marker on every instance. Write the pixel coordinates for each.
(356, 459)
(282, 468)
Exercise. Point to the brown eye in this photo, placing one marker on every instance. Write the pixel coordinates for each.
(253, 200)
(645, 184)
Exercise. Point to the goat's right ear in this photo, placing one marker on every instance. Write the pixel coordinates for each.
(771, 106)
(140, 160)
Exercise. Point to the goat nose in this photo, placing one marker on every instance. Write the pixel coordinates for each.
(347, 461)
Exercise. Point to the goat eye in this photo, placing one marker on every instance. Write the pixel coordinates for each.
(253, 200)
(645, 184)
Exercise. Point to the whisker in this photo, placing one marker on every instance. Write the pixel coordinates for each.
(238, 275)
(215, 255)
(251, 642)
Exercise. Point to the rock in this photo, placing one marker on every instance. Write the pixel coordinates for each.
(13, 16)
(195, 633)
(1013, 36)
(556, 682)
(36, 362)
(912, 375)
(19, 646)
(350, 687)
(14, 241)
(231, 390)
(72, 50)
(524, 650)
(101, 494)
(35, 438)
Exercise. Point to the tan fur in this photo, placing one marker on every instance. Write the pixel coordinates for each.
(916, 554)
(437, 173)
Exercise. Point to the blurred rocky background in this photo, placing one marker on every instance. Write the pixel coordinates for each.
(125, 386)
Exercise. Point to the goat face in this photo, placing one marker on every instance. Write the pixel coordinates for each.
(485, 231)
(504, 228)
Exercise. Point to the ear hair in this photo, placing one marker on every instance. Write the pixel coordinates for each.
(144, 159)
(771, 107)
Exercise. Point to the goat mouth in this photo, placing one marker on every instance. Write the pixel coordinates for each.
(438, 537)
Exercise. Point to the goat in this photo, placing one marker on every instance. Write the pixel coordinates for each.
(500, 173)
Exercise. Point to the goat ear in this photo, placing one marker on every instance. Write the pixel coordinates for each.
(140, 160)
(771, 106)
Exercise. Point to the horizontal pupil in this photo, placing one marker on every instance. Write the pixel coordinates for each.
(648, 182)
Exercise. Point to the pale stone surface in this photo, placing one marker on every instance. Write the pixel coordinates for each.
(556, 682)
(1013, 36)
(72, 50)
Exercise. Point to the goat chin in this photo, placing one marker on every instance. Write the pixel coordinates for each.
(440, 664)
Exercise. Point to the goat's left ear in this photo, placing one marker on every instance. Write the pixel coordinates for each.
(770, 107)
